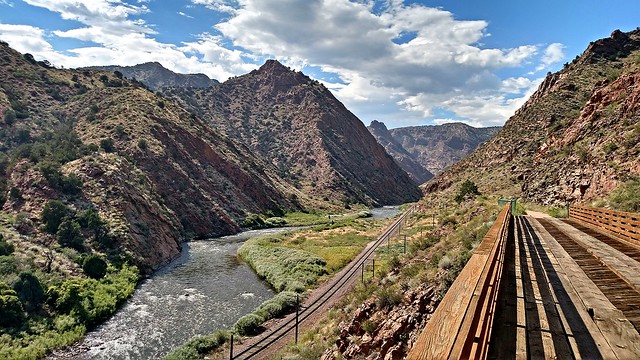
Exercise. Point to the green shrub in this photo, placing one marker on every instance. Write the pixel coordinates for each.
(29, 290)
(7, 264)
(248, 324)
(283, 268)
(9, 117)
(11, 311)
(142, 144)
(369, 326)
(199, 345)
(394, 262)
(627, 196)
(557, 211)
(423, 243)
(107, 145)
(468, 187)
(271, 310)
(69, 234)
(90, 219)
(15, 194)
(94, 266)
(387, 297)
(275, 222)
(457, 264)
(92, 300)
(610, 147)
(52, 215)
(5, 247)
(281, 304)
(253, 221)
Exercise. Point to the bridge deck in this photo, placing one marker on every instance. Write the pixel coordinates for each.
(567, 294)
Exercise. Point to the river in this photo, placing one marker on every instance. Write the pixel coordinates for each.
(204, 290)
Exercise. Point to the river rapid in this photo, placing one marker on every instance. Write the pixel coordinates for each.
(204, 290)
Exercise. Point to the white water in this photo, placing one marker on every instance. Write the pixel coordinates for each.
(204, 290)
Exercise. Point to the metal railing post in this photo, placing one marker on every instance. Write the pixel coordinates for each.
(231, 348)
(297, 313)
(405, 244)
(373, 268)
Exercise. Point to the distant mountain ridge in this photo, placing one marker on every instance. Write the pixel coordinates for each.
(433, 147)
(406, 160)
(156, 76)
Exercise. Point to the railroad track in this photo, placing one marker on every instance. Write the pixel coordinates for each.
(337, 287)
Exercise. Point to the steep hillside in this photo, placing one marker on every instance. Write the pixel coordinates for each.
(155, 172)
(576, 138)
(156, 76)
(296, 124)
(437, 147)
(407, 162)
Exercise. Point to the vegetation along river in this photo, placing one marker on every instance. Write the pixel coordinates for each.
(204, 290)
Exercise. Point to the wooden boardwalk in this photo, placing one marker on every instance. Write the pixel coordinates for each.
(567, 293)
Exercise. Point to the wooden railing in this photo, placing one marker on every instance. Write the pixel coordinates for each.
(461, 325)
(622, 224)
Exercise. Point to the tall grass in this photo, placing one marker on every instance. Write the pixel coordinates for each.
(283, 268)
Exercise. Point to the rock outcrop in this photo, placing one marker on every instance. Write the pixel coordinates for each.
(385, 334)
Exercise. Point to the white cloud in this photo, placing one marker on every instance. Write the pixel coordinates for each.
(185, 15)
(442, 58)
(399, 63)
(30, 39)
(490, 108)
(553, 54)
(224, 6)
(112, 16)
(120, 38)
(6, 2)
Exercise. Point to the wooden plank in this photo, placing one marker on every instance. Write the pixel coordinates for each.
(452, 328)
(614, 336)
(624, 266)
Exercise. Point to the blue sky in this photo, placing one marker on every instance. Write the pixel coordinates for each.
(402, 62)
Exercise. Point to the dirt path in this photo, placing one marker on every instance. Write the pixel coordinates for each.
(537, 214)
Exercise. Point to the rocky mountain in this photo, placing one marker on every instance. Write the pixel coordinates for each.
(156, 76)
(157, 173)
(576, 139)
(300, 128)
(407, 161)
(437, 147)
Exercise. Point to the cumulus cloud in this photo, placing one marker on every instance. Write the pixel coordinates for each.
(118, 36)
(553, 54)
(30, 39)
(440, 58)
(394, 61)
